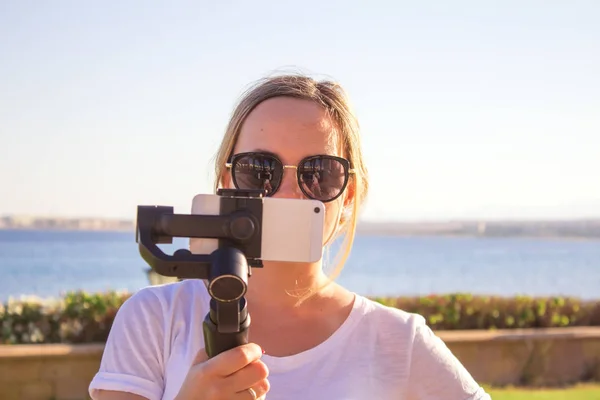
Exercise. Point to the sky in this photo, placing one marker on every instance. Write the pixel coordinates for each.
(468, 109)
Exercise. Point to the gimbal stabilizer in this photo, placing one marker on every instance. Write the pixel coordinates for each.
(238, 230)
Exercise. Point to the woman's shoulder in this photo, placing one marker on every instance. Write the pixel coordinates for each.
(139, 343)
(434, 371)
(386, 330)
(389, 317)
(162, 301)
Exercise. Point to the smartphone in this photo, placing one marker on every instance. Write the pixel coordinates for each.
(292, 229)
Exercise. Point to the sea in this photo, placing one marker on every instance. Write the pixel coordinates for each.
(50, 263)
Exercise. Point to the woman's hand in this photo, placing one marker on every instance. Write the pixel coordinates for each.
(228, 375)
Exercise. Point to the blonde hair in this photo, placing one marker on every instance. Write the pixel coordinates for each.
(332, 97)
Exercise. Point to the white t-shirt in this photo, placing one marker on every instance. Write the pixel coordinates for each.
(377, 353)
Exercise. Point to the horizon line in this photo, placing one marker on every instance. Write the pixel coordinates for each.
(370, 220)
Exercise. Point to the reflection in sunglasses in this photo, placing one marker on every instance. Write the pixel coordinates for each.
(320, 177)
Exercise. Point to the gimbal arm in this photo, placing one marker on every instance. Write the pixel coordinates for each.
(227, 269)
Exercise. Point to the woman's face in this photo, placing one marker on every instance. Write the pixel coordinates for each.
(293, 129)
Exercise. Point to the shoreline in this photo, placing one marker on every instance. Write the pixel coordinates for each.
(359, 232)
(570, 229)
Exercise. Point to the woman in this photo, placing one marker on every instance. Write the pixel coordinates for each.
(310, 337)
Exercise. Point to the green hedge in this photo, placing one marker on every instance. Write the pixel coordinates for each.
(77, 317)
(81, 317)
(465, 311)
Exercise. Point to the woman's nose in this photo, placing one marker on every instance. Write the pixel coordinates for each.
(289, 188)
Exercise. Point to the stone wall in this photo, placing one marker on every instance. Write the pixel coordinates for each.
(47, 372)
(528, 357)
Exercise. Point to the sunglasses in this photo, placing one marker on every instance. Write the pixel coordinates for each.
(320, 177)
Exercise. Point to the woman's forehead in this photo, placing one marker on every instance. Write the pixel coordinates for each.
(290, 128)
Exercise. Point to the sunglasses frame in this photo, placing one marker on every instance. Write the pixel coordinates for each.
(345, 163)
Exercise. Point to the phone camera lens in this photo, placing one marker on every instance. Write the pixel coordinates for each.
(317, 210)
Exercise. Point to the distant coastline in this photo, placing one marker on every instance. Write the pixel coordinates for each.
(572, 229)
(55, 223)
(562, 229)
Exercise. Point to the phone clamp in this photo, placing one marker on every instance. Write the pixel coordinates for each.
(227, 269)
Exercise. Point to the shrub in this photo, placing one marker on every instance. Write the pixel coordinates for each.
(77, 317)
(465, 311)
(80, 317)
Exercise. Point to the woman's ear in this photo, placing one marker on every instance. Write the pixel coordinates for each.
(350, 195)
(348, 202)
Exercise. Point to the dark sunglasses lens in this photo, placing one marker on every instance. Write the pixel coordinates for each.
(322, 178)
(257, 172)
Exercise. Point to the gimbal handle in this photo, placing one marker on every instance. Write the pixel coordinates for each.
(227, 269)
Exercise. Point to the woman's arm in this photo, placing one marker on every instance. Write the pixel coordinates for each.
(133, 358)
(436, 374)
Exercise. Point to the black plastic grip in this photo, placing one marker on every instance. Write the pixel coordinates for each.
(216, 340)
